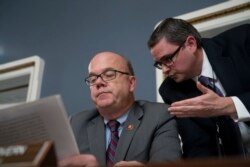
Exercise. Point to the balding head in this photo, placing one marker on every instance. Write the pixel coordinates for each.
(113, 60)
(112, 84)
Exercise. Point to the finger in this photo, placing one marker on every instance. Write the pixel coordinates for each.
(187, 102)
(181, 114)
(62, 163)
(119, 163)
(183, 109)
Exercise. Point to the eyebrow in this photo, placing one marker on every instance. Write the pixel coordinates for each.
(167, 56)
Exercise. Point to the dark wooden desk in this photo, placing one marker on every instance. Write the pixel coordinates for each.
(34, 155)
(225, 162)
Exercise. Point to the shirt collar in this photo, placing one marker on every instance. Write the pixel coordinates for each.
(207, 69)
(121, 119)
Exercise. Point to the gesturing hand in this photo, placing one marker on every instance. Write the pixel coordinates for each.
(207, 105)
(81, 160)
(128, 163)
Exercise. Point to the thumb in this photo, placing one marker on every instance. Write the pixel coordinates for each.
(202, 88)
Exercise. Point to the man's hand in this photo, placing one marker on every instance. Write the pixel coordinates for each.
(83, 160)
(207, 105)
(128, 163)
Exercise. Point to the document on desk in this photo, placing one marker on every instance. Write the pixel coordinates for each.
(38, 121)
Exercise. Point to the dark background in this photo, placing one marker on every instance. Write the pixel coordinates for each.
(67, 33)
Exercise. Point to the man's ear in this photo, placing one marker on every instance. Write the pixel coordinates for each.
(132, 83)
(191, 43)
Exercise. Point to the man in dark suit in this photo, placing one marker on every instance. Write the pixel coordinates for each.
(205, 114)
(146, 131)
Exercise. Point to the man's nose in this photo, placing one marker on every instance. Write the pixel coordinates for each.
(99, 82)
(165, 69)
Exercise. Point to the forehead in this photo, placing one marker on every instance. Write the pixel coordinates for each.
(104, 61)
(162, 48)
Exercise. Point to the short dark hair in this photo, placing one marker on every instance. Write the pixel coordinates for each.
(174, 31)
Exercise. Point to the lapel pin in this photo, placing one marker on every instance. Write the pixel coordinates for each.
(130, 127)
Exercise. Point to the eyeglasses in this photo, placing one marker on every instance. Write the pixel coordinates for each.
(167, 60)
(107, 75)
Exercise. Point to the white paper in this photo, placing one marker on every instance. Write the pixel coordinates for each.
(33, 122)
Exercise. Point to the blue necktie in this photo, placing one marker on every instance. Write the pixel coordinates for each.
(110, 154)
(209, 83)
(229, 137)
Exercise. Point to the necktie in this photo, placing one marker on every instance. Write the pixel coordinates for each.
(209, 83)
(228, 133)
(110, 154)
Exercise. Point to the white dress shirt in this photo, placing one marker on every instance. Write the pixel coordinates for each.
(207, 71)
(122, 121)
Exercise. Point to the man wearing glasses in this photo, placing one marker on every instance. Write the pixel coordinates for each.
(120, 130)
(206, 110)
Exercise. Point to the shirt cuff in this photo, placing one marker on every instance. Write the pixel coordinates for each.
(242, 112)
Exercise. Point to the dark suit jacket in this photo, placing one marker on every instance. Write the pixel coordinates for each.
(154, 137)
(229, 55)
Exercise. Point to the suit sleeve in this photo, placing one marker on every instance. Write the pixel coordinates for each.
(166, 144)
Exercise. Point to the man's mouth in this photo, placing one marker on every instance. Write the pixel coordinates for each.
(171, 75)
(101, 93)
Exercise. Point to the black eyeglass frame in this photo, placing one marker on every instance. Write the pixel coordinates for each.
(167, 60)
(87, 81)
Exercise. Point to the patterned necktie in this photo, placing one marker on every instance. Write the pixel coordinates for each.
(209, 83)
(229, 137)
(110, 154)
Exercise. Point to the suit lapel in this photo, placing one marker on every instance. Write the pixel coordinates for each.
(222, 66)
(171, 91)
(96, 130)
(129, 129)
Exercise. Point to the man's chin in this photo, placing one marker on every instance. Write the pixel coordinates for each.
(103, 103)
(173, 77)
(177, 79)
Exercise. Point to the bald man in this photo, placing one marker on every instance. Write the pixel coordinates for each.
(146, 132)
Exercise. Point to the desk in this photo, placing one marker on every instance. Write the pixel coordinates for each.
(224, 162)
